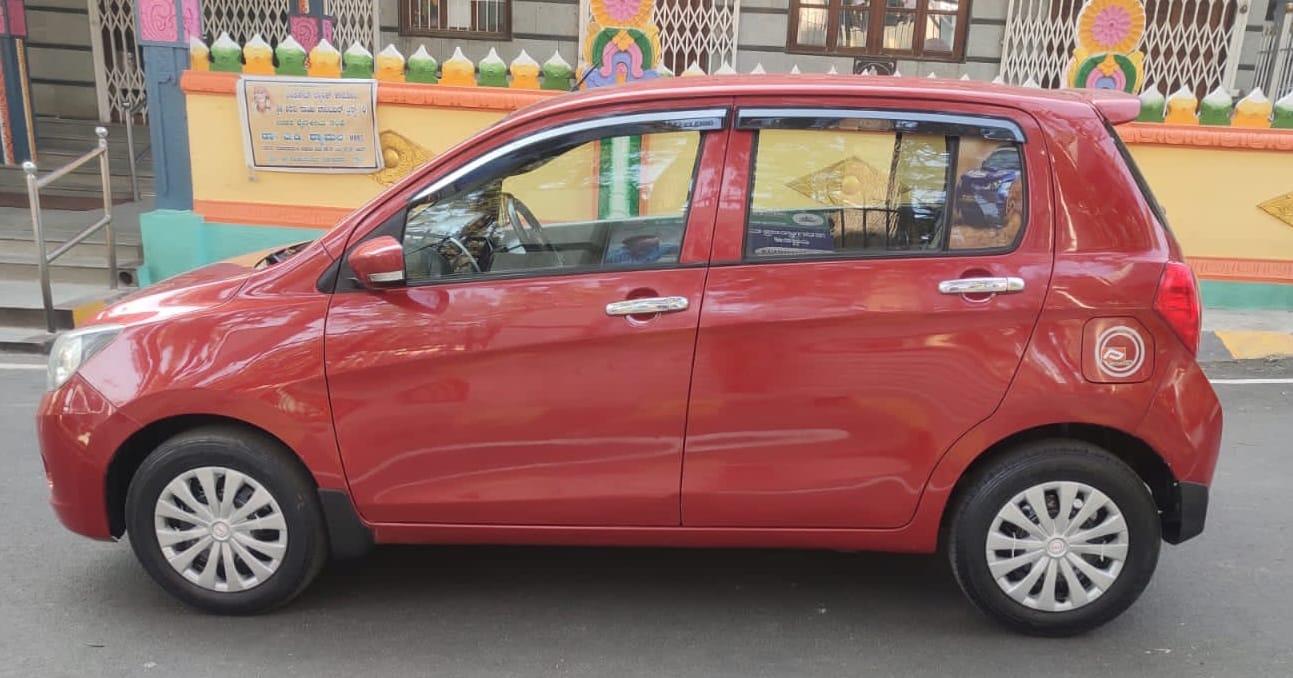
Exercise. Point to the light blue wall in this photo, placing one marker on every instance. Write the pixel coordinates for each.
(175, 241)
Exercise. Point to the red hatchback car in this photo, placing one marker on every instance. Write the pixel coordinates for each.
(720, 312)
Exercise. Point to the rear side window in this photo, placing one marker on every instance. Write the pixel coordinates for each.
(872, 188)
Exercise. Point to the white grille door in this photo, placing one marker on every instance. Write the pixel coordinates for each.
(242, 19)
(1275, 59)
(697, 31)
(1195, 43)
(354, 21)
(118, 63)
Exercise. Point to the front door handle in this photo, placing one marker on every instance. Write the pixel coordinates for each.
(982, 285)
(647, 306)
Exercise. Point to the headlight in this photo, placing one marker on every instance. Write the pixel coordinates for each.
(73, 348)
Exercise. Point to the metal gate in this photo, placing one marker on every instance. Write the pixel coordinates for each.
(1274, 73)
(118, 71)
(703, 32)
(242, 19)
(1195, 43)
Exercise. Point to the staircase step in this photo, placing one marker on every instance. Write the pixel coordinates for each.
(92, 248)
(21, 305)
(25, 339)
(84, 181)
(52, 158)
(69, 268)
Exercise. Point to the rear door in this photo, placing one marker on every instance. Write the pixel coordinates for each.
(876, 275)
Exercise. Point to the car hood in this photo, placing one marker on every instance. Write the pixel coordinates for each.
(200, 288)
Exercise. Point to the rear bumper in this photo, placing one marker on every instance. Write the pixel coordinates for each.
(1184, 520)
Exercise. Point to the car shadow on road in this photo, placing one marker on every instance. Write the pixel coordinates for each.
(624, 585)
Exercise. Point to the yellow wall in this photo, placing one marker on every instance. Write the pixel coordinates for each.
(1211, 197)
(220, 172)
(1210, 194)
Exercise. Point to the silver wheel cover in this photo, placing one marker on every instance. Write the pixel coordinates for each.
(1057, 546)
(220, 529)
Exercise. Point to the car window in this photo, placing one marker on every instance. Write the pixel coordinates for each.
(854, 189)
(612, 202)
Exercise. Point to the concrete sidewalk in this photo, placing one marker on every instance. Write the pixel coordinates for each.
(1245, 335)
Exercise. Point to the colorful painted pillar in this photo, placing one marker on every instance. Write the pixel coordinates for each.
(17, 133)
(623, 45)
(309, 24)
(164, 28)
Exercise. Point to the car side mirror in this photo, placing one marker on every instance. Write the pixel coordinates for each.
(378, 263)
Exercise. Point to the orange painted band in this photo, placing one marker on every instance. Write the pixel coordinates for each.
(1243, 270)
(1209, 137)
(398, 93)
(268, 214)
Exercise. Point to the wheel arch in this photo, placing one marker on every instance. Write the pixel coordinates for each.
(1148, 464)
(132, 452)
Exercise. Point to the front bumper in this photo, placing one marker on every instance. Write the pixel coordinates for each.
(1184, 520)
(79, 430)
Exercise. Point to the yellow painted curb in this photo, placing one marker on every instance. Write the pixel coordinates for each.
(81, 314)
(1248, 344)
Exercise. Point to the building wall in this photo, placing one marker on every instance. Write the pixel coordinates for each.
(763, 32)
(60, 60)
(538, 26)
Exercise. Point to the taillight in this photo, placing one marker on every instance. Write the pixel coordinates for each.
(1177, 301)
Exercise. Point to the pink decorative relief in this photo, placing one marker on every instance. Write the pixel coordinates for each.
(305, 30)
(157, 21)
(192, 19)
(17, 20)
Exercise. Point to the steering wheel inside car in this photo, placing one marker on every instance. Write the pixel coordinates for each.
(531, 235)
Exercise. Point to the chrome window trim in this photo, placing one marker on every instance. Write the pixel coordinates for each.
(1000, 129)
(697, 120)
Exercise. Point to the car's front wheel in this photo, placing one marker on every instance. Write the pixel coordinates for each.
(226, 520)
(1054, 538)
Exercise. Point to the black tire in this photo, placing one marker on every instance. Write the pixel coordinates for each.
(269, 464)
(992, 487)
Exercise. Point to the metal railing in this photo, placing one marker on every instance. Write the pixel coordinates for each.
(132, 104)
(45, 258)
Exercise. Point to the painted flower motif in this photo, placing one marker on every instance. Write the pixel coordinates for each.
(1111, 25)
(621, 12)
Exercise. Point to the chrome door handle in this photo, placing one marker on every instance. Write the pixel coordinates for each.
(647, 306)
(982, 285)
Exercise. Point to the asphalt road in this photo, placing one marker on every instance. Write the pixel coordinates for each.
(1220, 605)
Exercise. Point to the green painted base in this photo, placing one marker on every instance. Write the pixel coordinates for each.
(175, 241)
(1241, 295)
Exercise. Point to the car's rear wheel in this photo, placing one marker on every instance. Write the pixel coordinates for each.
(226, 520)
(1054, 538)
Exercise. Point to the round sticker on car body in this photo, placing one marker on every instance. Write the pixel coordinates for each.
(1120, 351)
(1116, 350)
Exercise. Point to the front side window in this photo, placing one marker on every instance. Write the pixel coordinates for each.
(928, 29)
(612, 202)
(860, 189)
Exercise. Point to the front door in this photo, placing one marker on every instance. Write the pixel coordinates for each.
(871, 295)
(534, 368)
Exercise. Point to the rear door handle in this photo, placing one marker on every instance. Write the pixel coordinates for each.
(982, 285)
(647, 306)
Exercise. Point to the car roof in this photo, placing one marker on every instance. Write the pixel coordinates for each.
(1114, 104)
